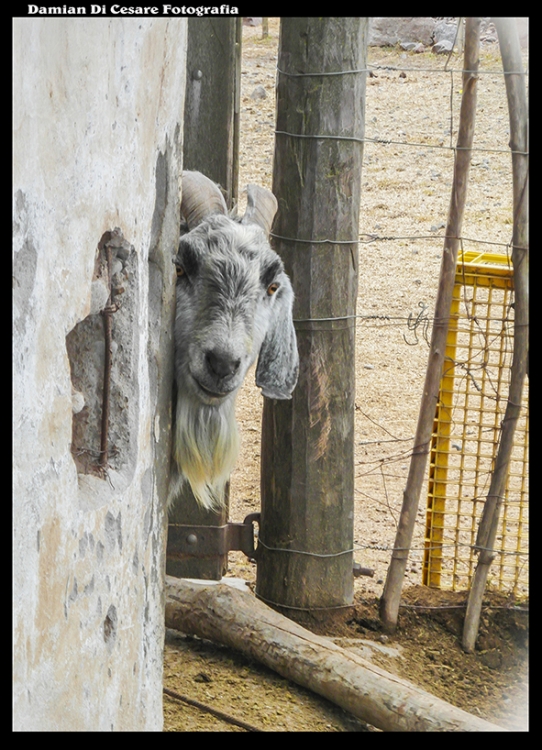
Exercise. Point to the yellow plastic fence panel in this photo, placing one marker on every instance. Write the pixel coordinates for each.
(466, 431)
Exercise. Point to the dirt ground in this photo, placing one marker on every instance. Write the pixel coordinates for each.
(405, 193)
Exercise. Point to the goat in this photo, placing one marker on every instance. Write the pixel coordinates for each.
(234, 304)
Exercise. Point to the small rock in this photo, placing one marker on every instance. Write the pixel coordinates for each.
(259, 93)
(78, 401)
(116, 267)
(99, 294)
(442, 48)
(492, 659)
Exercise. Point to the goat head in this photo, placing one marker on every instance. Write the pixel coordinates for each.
(234, 305)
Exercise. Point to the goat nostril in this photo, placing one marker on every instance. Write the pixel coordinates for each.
(221, 364)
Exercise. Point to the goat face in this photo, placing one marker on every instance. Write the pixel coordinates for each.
(233, 303)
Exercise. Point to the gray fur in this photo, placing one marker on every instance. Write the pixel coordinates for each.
(230, 312)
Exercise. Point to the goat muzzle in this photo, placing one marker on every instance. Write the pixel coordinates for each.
(221, 364)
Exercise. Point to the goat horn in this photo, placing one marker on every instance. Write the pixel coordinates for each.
(261, 207)
(201, 198)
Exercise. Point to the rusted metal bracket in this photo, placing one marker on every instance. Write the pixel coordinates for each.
(187, 540)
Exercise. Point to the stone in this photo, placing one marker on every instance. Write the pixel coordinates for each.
(442, 48)
(259, 93)
(389, 31)
(445, 31)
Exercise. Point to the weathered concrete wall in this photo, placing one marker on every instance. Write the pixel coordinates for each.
(98, 109)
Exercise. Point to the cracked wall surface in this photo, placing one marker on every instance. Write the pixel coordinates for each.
(97, 119)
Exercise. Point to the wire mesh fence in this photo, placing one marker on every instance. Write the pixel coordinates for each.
(406, 191)
(472, 401)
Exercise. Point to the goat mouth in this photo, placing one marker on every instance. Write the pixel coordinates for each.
(209, 393)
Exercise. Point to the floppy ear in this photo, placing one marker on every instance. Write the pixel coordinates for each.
(278, 363)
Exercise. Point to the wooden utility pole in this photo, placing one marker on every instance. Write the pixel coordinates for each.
(305, 557)
(389, 604)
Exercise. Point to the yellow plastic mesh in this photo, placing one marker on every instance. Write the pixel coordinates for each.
(472, 401)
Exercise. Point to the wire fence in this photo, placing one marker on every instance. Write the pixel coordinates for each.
(412, 113)
(386, 439)
(472, 402)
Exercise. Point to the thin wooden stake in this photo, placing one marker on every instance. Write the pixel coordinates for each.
(517, 106)
(389, 604)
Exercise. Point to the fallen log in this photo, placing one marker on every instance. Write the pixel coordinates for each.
(238, 620)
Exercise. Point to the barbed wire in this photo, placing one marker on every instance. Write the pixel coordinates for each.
(368, 238)
(389, 548)
(392, 141)
(430, 547)
(393, 237)
(399, 68)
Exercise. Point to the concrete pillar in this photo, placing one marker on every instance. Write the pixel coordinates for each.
(98, 109)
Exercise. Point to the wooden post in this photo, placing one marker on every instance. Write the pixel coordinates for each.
(389, 604)
(213, 75)
(211, 146)
(519, 144)
(305, 557)
(187, 511)
(236, 113)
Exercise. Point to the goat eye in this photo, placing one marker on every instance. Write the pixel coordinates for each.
(272, 288)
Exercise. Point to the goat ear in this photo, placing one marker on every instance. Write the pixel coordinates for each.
(278, 363)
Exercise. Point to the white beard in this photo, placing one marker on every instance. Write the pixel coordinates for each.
(206, 445)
